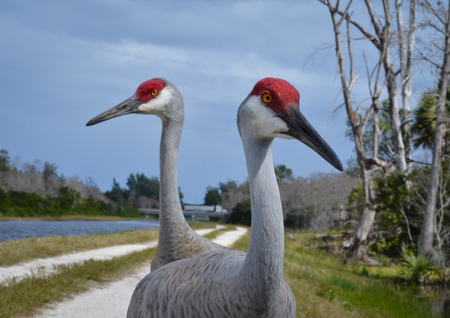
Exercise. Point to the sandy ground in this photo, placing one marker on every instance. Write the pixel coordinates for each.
(112, 299)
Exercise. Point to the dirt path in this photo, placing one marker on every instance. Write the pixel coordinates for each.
(105, 253)
(112, 300)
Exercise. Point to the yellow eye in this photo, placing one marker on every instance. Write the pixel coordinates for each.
(266, 98)
(154, 92)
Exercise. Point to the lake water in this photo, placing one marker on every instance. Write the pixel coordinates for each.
(14, 230)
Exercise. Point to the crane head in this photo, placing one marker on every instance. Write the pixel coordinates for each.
(157, 96)
(272, 109)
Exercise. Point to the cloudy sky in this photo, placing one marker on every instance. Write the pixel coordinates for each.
(64, 62)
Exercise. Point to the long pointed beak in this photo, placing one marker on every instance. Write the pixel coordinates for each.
(301, 129)
(128, 106)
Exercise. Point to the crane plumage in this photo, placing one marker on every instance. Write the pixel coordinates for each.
(160, 97)
(230, 283)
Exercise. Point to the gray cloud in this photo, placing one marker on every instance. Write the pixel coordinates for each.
(63, 63)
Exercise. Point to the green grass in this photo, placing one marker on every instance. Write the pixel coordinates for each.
(326, 287)
(14, 252)
(242, 243)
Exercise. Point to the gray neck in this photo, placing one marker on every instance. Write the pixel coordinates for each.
(173, 225)
(263, 264)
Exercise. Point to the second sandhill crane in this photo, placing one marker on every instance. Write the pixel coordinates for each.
(231, 283)
(160, 97)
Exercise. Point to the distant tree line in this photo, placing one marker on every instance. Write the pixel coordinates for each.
(141, 192)
(37, 190)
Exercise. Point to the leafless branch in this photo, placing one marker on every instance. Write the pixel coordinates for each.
(430, 7)
(367, 34)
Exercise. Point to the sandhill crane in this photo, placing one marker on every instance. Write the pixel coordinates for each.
(160, 97)
(231, 283)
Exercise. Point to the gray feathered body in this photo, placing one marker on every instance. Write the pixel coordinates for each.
(206, 286)
(180, 244)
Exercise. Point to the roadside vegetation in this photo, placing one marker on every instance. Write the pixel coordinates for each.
(325, 283)
(328, 285)
(25, 250)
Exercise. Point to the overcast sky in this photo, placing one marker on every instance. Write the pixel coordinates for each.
(64, 62)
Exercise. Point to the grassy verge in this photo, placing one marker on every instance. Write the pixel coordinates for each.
(24, 297)
(326, 287)
(14, 252)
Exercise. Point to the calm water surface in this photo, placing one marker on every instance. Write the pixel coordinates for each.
(14, 230)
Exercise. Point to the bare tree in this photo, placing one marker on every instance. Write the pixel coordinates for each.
(49, 174)
(315, 203)
(383, 75)
(405, 49)
(428, 230)
(233, 194)
(42, 179)
(358, 115)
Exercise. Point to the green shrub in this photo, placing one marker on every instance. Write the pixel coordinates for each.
(417, 268)
(240, 214)
(68, 202)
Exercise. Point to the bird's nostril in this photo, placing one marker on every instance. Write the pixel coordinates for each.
(122, 107)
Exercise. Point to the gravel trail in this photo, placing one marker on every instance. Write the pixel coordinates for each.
(112, 299)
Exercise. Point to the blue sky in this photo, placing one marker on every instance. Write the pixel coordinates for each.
(64, 62)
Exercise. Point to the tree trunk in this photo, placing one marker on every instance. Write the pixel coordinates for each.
(396, 131)
(358, 242)
(428, 228)
(405, 51)
(384, 48)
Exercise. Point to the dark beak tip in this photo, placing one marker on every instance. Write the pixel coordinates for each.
(335, 162)
(90, 123)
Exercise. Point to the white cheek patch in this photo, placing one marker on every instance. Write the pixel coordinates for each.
(158, 104)
(284, 136)
(265, 122)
